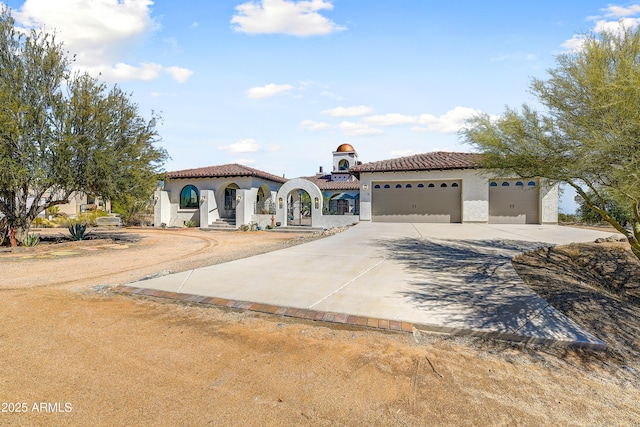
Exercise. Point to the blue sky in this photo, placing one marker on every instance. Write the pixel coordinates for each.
(279, 84)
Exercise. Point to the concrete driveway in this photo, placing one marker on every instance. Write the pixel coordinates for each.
(453, 278)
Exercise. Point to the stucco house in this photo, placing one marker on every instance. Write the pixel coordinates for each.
(428, 187)
(228, 194)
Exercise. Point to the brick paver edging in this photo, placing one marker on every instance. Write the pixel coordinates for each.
(301, 313)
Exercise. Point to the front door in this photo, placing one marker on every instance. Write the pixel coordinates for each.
(230, 202)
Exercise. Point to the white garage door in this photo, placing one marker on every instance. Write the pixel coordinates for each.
(514, 202)
(411, 201)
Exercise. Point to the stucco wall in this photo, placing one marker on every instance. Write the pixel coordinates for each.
(550, 199)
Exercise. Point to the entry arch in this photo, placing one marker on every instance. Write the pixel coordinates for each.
(282, 204)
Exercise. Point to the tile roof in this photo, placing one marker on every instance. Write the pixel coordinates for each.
(222, 171)
(324, 183)
(436, 160)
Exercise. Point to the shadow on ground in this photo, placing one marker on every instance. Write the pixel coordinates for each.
(473, 282)
(595, 285)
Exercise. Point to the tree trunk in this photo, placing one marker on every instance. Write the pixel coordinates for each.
(12, 237)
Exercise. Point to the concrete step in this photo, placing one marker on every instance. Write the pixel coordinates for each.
(296, 229)
(222, 224)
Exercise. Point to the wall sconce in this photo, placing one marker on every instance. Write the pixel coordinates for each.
(280, 203)
(238, 198)
(365, 187)
(317, 203)
(203, 198)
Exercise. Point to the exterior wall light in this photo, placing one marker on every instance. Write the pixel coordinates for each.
(280, 203)
(317, 203)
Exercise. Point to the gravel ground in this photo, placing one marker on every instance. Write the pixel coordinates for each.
(74, 353)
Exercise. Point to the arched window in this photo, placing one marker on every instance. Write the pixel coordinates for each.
(493, 184)
(531, 184)
(343, 165)
(431, 185)
(398, 185)
(519, 184)
(505, 184)
(376, 186)
(189, 197)
(407, 186)
(420, 185)
(387, 186)
(443, 185)
(455, 184)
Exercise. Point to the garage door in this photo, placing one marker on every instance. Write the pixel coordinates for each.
(424, 201)
(513, 202)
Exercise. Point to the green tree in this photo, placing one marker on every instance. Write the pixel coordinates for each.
(64, 132)
(589, 134)
(588, 215)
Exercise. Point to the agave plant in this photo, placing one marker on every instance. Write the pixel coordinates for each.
(31, 240)
(78, 231)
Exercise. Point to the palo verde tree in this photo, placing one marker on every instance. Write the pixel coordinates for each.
(588, 136)
(63, 132)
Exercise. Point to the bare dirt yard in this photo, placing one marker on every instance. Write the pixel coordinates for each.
(73, 352)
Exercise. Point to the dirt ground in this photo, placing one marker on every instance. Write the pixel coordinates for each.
(72, 352)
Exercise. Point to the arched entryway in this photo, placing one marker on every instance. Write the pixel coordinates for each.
(264, 203)
(230, 201)
(299, 211)
(299, 203)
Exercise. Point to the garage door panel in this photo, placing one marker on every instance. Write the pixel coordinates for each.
(417, 204)
(513, 204)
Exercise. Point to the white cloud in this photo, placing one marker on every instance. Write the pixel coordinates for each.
(613, 11)
(358, 129)
(621, 20)
(360, 110)
(242, 146)
(274, 147)
(98, 32)
(450, 122)
(179, 74)
(123, 72)
(300, 18)
(391, 119)
(311, 125)
(268, 91)
(402, 153)
(616, 26)
(331, 95)
(246, 162)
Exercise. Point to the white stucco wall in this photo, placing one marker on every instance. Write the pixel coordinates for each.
(161, 209)
(549, 204)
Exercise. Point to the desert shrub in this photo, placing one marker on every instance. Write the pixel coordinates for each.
(78, 231)
(89, 218)
(190, 223)
(31, 240)
(42, 223)
(133, 211)
(566, 218)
